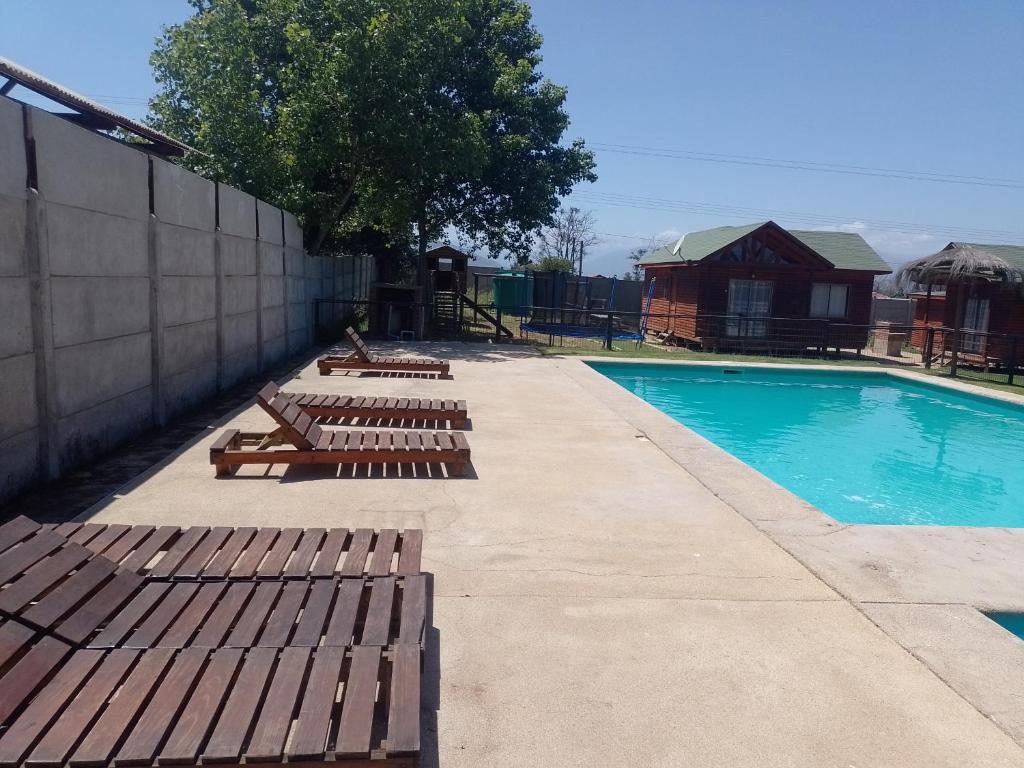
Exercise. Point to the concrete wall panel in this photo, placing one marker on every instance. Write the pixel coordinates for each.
(273, 290)
(83, 169)
(183, 198)
(292, 232)
(239, 295)
(90, 374)
(274, 350)
(240, 334)
(183, 251)
(187, 347)
(270, 223)
(237, 212)
(90, 308)
(272, 263)
(184, 391)
(273, 323)
(19, 463)
(84, 242)
(15, 318)
(239, 255)
(18, 404)
(188, 299)
(12, 235)
(97, 429)
(13, 170)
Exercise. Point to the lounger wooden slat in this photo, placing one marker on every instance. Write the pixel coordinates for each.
(46, 708)
(326, 563)
(26, 672)
(358, 551)
(273, 564)
(267, 741)
(196, 722)
(354, 733)
(140, 557)
(309, 739)
(41, 577)
(403, 736)
(414, 611)
(15, 531)
(196, 561)
(228, 739)
(253, 618)
(278, 628)
(55, 746)
(125, 620)
(188, 622)
(223, 616)
(163, 708)
(377, 626)
(73, 592)
(103, 736)
(220, 566)
(104, 603)
(314, 615)
(410, 553)
(362, 359)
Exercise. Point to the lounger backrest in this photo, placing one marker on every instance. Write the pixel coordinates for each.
(296, 426)
(358, 344)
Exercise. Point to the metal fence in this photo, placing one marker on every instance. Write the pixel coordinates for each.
(982, 356)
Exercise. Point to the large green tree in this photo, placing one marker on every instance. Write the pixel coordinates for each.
(406, 117)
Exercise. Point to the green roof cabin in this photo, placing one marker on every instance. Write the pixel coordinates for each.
(761, 287)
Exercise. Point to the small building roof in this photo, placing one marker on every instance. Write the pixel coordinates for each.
(843, 250)
(88, 113)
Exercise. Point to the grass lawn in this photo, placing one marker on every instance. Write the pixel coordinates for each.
(980, 378)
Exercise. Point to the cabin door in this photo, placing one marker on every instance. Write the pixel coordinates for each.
(975, 319)
(750, 304)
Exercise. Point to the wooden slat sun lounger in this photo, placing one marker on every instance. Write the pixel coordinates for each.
(399, 409)
(193, 673)
(362, 359)
(309, 444)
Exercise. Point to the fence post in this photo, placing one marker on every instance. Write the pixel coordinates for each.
(929, 343)
(497, 328)
(1012, 362)
(827, 340)
(608, 331)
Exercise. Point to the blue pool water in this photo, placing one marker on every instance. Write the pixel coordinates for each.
(1014, 622)
(862, 447)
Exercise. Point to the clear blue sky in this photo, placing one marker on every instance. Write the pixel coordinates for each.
(928, 87)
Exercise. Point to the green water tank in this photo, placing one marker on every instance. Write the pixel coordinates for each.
(513, 292)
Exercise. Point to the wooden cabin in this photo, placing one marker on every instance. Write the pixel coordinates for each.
(995, 310)
(762, 287)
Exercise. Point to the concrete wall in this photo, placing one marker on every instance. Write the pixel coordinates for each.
(131, 290)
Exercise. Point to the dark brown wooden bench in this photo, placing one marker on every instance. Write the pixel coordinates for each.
(362, 359)
(309, 444)
(100, 666)
(399, 410)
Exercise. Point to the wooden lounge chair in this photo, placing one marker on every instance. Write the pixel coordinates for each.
(309, 444)
(362, 359)
(370, 408)
(103, 667)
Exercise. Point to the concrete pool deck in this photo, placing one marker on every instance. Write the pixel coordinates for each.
(598, 602)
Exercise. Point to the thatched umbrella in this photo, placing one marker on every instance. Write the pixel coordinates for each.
(959, 265)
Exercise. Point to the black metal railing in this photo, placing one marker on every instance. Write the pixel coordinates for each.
(986, 356)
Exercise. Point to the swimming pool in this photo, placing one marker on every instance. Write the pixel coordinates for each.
(862, 447)
(1011, 622)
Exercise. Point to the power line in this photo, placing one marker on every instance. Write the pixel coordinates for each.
(811, 219)
(807, 165)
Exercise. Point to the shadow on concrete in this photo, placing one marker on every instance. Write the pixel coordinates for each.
(430, 693)
(302, 473)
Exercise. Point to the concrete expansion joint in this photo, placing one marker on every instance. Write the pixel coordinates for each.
(618, 574)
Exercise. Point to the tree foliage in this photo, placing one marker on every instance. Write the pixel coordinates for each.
(385, 115)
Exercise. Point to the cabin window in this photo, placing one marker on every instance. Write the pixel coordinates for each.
(750, 304)
(829, 300)
(975, 319)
